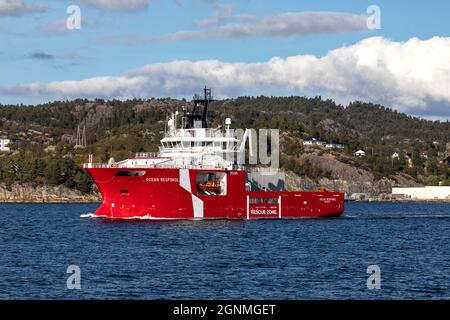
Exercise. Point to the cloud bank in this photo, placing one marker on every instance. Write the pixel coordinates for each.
(19, 8)
(40, 56)
(411, 76)
(290, 24)
(222, 12)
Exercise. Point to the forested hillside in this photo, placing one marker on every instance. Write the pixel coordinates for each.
(45, 135)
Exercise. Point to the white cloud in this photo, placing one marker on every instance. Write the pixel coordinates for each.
(411, 76)
(119, 5)
(59, 27)
(19, 8)
(290, 24)
(222, 12)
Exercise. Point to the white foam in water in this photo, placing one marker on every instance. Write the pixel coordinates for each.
(88, 215)
(147, 217)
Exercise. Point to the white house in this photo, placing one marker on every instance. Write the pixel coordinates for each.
(334, 145)
(360, 153)
(4, 144)
(314, 141)
(395, 156)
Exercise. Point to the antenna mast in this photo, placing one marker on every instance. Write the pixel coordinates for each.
(198, 118)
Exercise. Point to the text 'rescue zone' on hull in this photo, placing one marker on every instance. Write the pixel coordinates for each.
(168, 193)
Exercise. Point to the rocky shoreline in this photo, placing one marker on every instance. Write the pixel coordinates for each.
(29, 193)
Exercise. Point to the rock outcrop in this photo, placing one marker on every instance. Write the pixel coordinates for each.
(51, 194)
(345, 178)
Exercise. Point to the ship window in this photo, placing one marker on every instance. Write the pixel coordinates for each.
(129, 173)
(211, 183)
(123, 191)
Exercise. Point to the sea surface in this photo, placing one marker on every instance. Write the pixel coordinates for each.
(265, 259)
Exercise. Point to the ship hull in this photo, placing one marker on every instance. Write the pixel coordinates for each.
(167, 193)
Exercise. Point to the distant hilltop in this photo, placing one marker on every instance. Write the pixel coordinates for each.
(361, 148)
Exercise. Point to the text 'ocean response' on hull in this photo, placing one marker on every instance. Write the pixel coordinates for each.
(192, 178)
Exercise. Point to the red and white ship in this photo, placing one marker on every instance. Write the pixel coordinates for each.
(191, 178)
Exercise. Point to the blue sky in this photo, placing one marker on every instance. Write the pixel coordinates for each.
(133, 45)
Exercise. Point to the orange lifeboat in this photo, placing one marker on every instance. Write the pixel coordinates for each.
(210, 186)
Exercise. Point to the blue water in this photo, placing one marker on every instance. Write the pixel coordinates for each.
(290, 259)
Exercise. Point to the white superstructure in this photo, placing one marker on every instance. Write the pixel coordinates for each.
(194, 145)
(188, 148)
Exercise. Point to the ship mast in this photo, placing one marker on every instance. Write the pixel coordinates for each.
(198, 118)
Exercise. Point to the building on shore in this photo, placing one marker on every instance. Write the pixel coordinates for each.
(360, 153)
(314, 141)
(422, 193)
(334, 145)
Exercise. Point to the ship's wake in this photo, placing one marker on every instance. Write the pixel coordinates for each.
(88, 215)
(146, 217)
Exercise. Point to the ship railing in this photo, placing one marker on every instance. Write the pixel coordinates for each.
(146, 155)
(95, 165)
(165, 165)
(263, 169)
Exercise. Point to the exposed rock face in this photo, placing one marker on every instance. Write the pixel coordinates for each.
(345, 178)
(383, 186)
(30, 193)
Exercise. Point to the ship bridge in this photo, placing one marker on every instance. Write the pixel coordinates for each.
(192, 145)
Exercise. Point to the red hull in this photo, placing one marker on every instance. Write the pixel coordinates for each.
(160, 193)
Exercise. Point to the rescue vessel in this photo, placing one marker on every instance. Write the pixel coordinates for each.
(192, 177)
